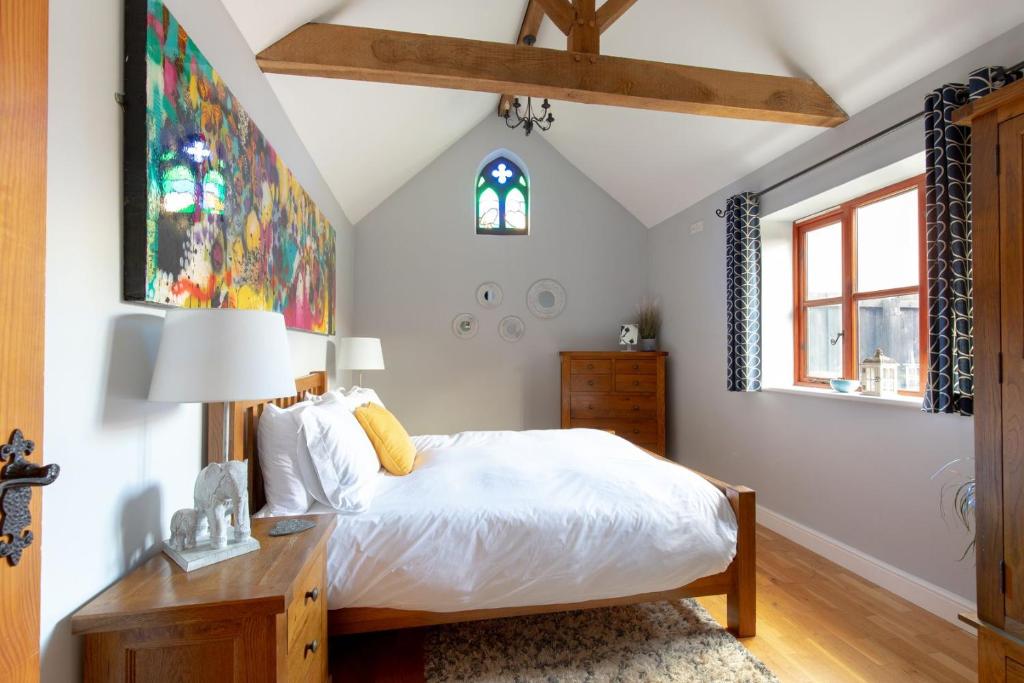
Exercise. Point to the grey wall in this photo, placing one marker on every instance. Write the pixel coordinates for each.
(418, 264)
(126, 464)
(858, 473)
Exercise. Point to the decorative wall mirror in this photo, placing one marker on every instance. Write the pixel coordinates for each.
(511, 328)
(546, 298)
(465, 326)
(489, 295)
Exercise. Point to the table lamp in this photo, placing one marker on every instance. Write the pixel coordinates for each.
(360, 353)
(222, 355)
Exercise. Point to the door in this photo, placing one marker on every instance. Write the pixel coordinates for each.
(23, 46)
(1011, 220)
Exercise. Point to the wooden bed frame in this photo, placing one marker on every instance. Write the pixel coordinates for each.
(736, 582)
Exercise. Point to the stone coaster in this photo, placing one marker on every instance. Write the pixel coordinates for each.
(291, 526)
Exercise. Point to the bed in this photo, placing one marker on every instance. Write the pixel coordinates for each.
(496, 524)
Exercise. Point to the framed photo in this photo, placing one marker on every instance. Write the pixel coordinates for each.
(629, 334)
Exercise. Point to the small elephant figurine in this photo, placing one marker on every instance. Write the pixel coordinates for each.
(222, 489)
(185, 524)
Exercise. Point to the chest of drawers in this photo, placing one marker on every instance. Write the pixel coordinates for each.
(619, 391)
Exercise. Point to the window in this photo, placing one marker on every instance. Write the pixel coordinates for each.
(502, 199)
(857, 287)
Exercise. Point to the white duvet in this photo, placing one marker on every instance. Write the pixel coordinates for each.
(503, 519)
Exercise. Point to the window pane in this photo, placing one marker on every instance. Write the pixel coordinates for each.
(892, 325)
(823, 324)
(515, 210)
(823, 259)
(487, 210)
(887, 243)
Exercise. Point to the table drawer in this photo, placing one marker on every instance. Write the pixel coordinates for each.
(308, 598)
(640, 366)
(307, 655)
(593, 367)
(636, 383)
(644, 432)
(610, 405)
(591, 383)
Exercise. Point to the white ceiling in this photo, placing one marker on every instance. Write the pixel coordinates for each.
(369, 138)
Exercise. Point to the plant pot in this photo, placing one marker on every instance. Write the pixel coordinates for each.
(648, 344)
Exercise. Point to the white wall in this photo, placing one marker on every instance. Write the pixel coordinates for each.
(859, 473)
(419, 262)
(126, 464)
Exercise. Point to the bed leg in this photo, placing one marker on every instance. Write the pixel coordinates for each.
(742, 596)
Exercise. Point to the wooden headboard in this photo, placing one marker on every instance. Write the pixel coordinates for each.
(245, 416)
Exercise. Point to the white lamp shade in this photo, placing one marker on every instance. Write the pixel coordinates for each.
(360, 353)
(213, 355)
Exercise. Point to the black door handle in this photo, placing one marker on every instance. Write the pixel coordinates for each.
(16, 482)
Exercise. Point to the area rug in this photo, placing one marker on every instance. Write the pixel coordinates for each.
(664, 641)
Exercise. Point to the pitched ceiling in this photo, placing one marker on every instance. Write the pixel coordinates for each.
(370, 138)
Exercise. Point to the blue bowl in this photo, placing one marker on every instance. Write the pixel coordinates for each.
(845, 386)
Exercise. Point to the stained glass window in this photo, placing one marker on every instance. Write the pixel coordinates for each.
(502, 199)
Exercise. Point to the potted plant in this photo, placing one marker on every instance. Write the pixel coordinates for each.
(964, 500)
(649, 322)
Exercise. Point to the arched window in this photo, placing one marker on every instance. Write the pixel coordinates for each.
(502, 199)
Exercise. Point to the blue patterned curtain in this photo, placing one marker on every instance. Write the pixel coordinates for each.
(743, 292)
(950, 387)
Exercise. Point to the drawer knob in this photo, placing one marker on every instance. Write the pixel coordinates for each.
(636, 407)
(636, 430)
(590, 366)
(590, 406)
(311, 647)
(636, 366)
(590, 382)
(313, 594)
(636, 383)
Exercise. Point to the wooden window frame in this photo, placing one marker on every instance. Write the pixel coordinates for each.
(845, 214)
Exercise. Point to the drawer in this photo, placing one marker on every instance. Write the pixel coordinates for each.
(593, 367)
(611, 405)
(640, 366)
(641, 432)
(591, 383)
(308, 598)
(307, 655)
(636, 383)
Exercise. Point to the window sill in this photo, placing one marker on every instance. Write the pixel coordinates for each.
(901, 401)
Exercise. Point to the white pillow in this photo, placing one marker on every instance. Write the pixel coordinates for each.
(360, 396)
(344, 462)
(277, 436)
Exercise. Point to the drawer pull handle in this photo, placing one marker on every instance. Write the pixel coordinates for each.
(636, 383)
(313, 594)
(590, 406)
(590, 366)
(636, 407)
(590, 382)
(311, 647)
(636, 430)
(636, 366)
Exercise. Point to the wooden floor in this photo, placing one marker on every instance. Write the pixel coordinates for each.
(815, 622)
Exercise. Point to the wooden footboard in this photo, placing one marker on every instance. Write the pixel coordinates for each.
(737, 583)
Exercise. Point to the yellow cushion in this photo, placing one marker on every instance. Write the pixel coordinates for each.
(389, 438)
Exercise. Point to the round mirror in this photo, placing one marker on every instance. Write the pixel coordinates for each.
(546, 298)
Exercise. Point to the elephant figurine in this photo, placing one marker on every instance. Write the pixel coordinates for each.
(222, 489)
(185, 525)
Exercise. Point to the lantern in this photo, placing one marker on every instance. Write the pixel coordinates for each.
(879, 375)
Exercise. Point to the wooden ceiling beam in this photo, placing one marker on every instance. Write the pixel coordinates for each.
(584, 36)
(527, 34)
(560, 12)
(369, 54)
(610, 12)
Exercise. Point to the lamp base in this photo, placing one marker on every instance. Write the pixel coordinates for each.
(204, 554)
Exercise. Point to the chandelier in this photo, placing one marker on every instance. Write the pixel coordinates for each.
(528, 119)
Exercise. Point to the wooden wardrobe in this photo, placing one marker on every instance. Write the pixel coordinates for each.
(997, 185)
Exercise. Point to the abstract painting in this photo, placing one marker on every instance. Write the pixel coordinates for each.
(213, 217)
